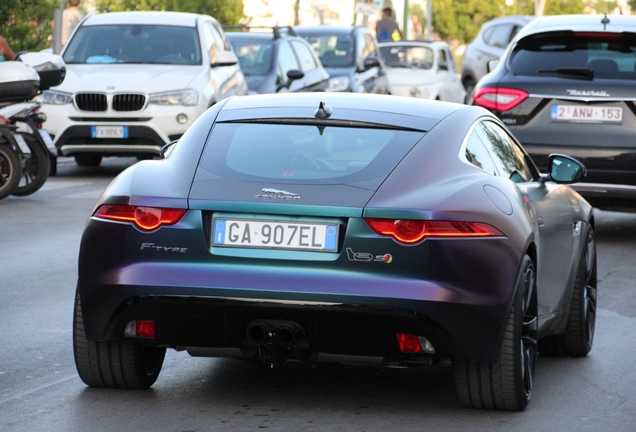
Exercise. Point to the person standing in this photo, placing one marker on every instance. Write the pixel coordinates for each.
(6, 53)
(71, 17)
(385, 28)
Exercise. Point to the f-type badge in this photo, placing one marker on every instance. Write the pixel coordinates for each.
(269, 193)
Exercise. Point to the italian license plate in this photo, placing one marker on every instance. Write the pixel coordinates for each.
(276, 234)
(593, 114)
(109, 132)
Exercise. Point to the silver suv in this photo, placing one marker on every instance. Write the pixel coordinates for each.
(490, 43)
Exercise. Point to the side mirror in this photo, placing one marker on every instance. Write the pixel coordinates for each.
(565, 169)
(292, 76)
(167, 149)
(370, 62)
(492, 65)
(225, 58)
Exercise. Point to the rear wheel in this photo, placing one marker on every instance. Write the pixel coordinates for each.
(579, 334)
(116, 364)
(506, 384)
(88, 160)
(35, 167)
(9, 170)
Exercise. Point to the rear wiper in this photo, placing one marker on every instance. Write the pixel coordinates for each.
(582, 73)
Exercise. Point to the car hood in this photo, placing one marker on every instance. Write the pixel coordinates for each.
(410, 76)
(127, 78)
(340, 71)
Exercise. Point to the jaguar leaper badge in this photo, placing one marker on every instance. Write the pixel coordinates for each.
(269, 193)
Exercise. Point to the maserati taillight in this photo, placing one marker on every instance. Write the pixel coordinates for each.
(499, 99)
(145, 218)
(413, 231)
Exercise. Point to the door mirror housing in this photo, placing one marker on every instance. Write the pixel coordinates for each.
(225, 58)
(565, 169)
(370, 62)
(292, 76)
(492, 65)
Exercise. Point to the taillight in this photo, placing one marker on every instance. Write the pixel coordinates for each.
(146, 218)
(499, 99)
(413, 231)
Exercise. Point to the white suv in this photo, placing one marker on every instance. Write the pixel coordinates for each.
(136, 81)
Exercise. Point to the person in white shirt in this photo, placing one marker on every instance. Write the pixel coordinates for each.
(70, 19)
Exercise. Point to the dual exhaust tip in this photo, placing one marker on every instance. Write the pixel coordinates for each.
(284, 333)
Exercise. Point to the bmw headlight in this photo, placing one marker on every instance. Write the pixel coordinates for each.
(51, 97)
(338, 84)
(184, 97)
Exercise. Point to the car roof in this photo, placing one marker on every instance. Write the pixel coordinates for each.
(427, 43)
(405, 112)
(616, 24)
(182, 19)
(326, 30)
(522, 19)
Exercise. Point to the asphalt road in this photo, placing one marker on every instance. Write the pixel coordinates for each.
(40, 390)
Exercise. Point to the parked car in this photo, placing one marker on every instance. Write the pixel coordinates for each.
(344, 228)
(278, 61)
(136, 81)
(351, 57)
(422, 69)
(490, 43)
(567, 85)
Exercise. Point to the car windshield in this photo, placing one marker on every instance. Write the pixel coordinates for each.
(334, 51)
(418, 57)
(305, 153)
(578, 55)
(147, 44)
(255, 57)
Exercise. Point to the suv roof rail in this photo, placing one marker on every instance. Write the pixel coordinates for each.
(276, 29)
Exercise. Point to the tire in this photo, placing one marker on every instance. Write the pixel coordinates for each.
(53, 165)
(469, 86)
(88, 160)
(9, 170)
(506, 384)
(115, 364)
(579, 333)
(35, 167)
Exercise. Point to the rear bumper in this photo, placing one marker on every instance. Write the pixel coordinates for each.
(214, 325)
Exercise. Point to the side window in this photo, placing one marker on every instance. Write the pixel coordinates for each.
(507, 155)
(211, 43)
(499, 36)
(224, 42)
(515, 30)
(372, 47)
(477, 154)
(305, 56)
(441, 58)
(361, 48)
(451, 61)
(286, 61)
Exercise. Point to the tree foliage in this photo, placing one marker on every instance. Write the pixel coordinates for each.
(225, 11)
(26, 24)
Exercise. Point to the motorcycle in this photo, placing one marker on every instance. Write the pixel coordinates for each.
(21, 121)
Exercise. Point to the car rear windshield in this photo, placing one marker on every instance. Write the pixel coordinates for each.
(334, 51)
(300, 153)
(408, 56)
(579, 55)
(255, 57)
(147, 44)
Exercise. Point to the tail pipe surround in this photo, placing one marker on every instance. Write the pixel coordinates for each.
(285, 334)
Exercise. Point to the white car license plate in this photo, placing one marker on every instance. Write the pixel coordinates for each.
(109, 132)
(276, 234)
(582, 113)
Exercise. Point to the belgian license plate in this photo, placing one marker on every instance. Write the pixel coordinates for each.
(276, 234)
(109, 132)
(593, 114)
